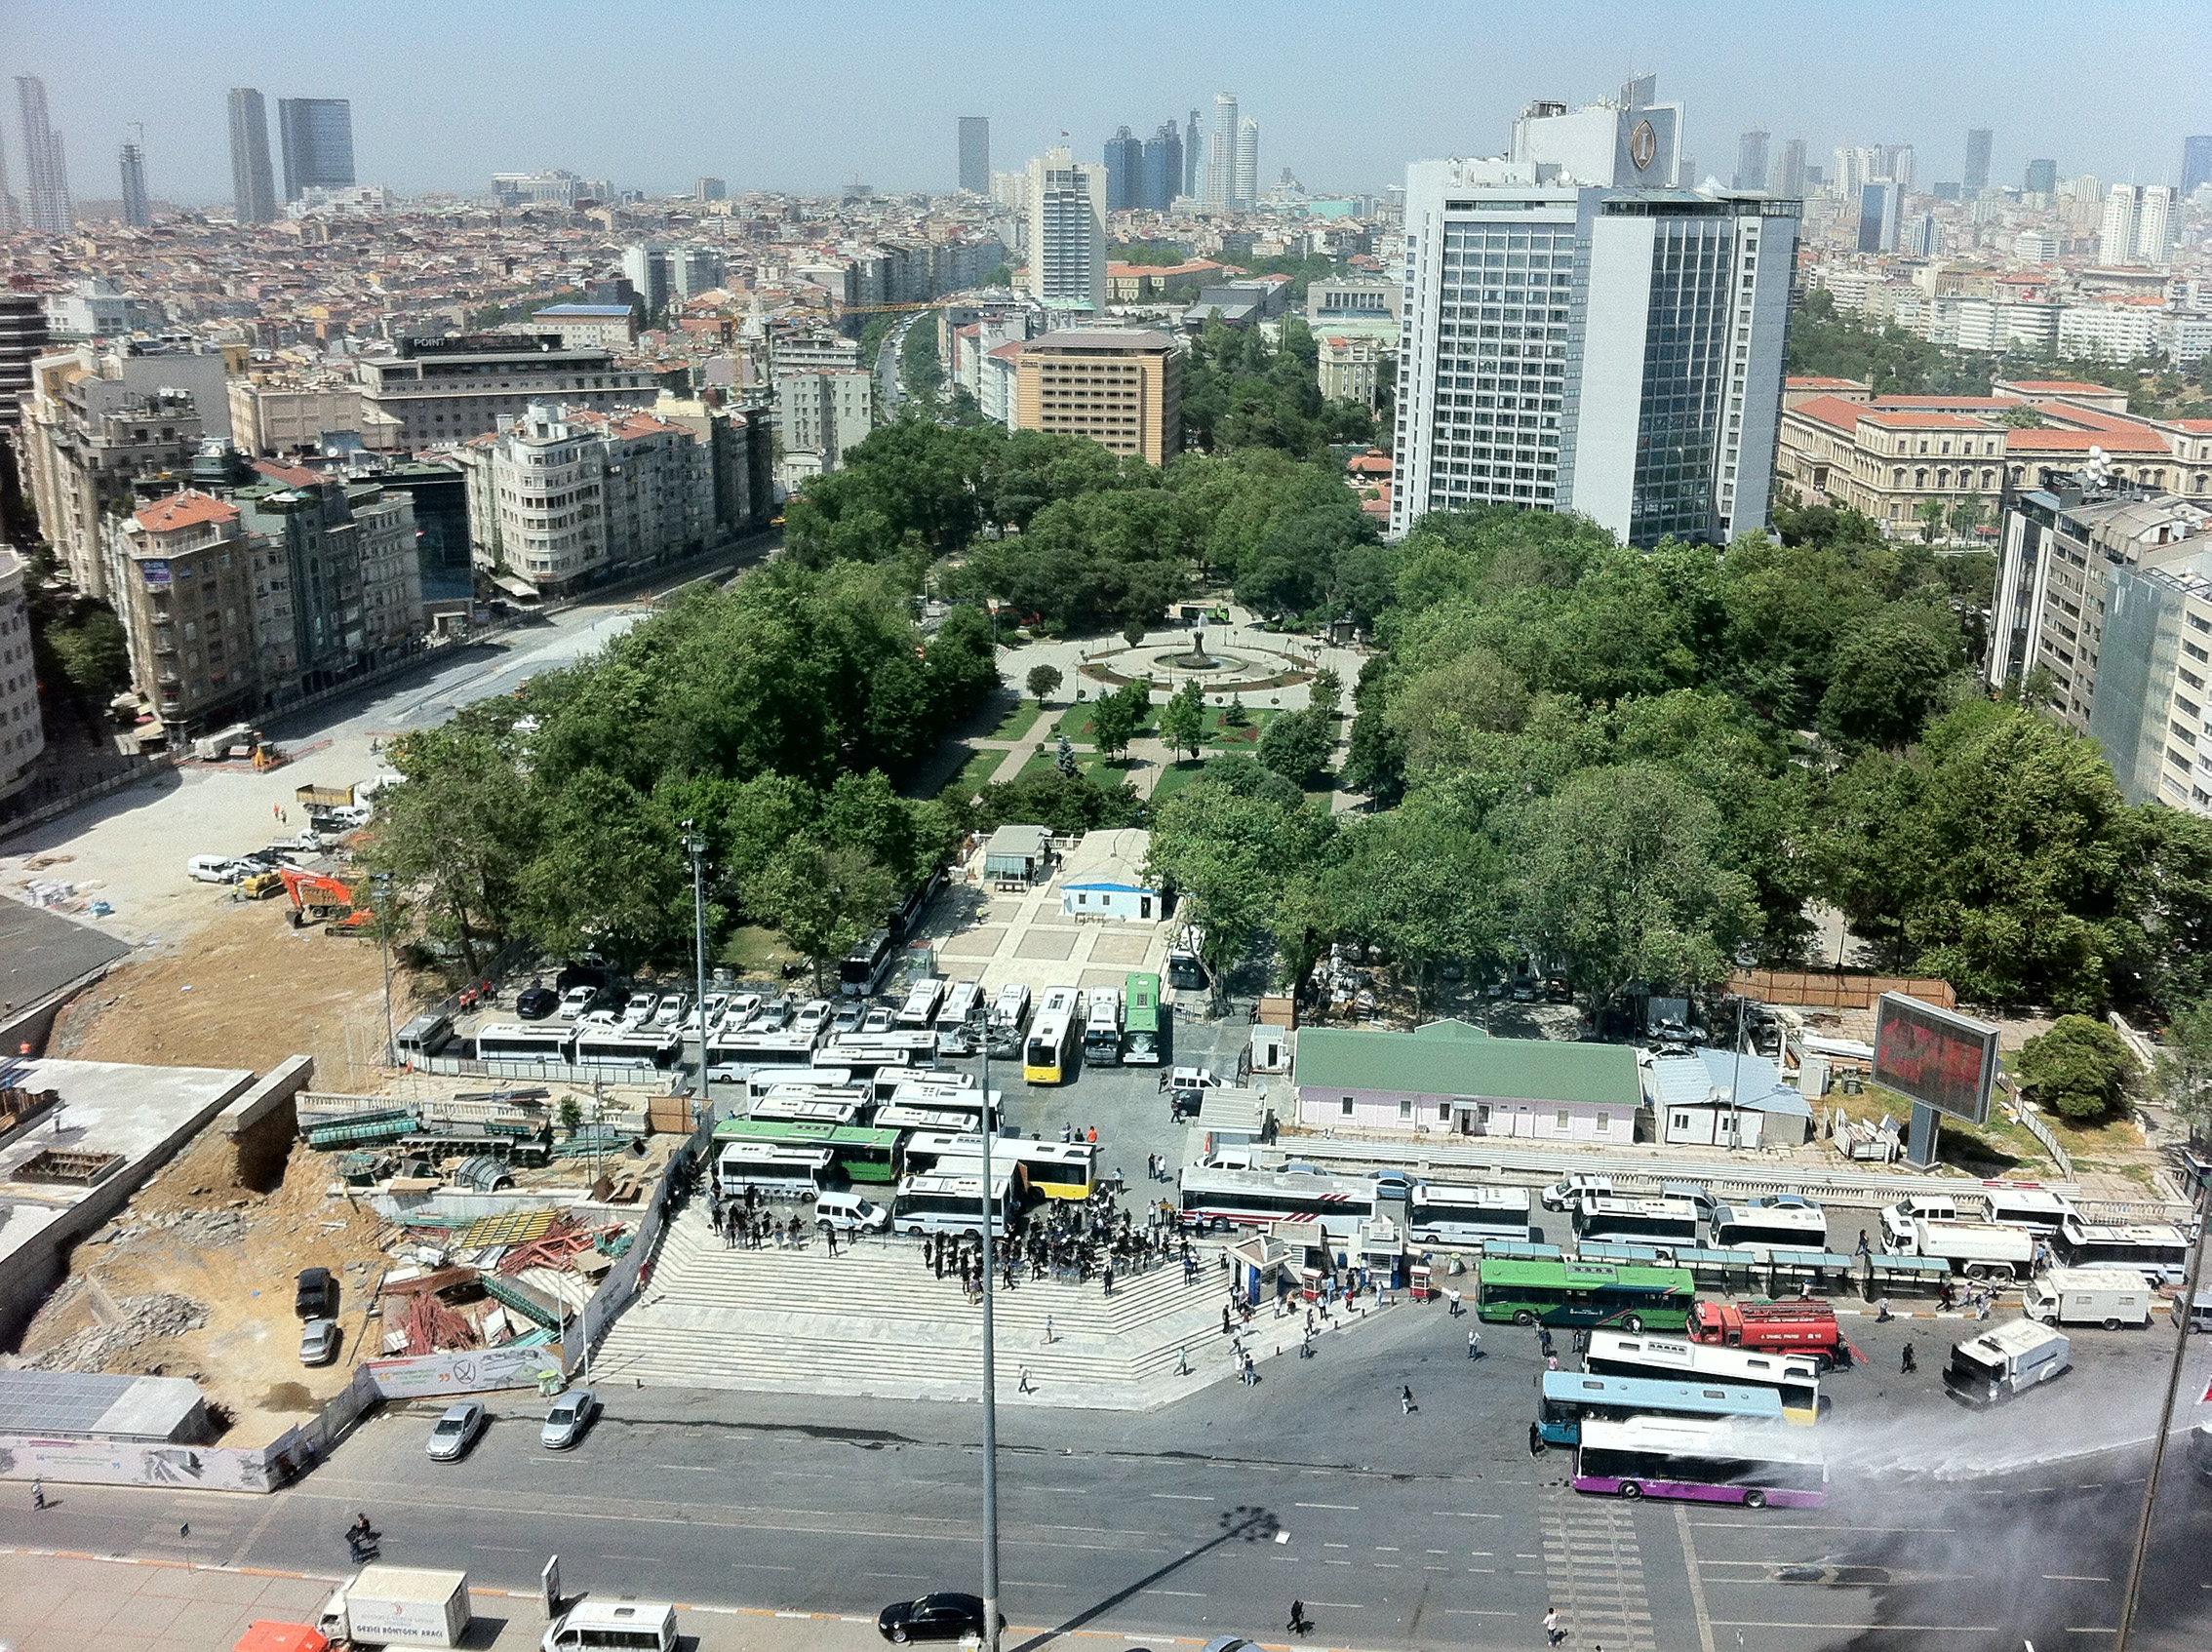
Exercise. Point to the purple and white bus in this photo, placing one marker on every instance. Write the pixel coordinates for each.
(1721, 1460)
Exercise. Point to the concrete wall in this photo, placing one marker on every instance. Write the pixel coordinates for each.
(262, 1123)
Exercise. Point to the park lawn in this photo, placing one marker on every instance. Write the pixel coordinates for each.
(1219, 733)
(753, 951)
(1074, 723)
(1018, 722)
(1174, 776)
(1089, 763)
(973, 775)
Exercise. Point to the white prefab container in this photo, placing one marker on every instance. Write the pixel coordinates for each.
(2000, 1363)
(2111, 1297)
(2038, 1209)
(399, 1606)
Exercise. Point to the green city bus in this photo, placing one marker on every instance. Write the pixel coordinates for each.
(863, 1154)
(1585, 1293)
(1146, 1023)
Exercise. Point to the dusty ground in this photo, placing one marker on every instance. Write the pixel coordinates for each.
(244, 991)
(193, 1233)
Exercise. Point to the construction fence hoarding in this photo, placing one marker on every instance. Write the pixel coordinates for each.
(1837, 989)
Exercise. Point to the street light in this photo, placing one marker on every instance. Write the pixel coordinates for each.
(990, 1382)
(383, 883)
(696, 847)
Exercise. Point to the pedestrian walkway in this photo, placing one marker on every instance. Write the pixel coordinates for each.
(72, 1602)
(875, 1322)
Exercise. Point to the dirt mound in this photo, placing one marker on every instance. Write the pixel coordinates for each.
(120, 1340)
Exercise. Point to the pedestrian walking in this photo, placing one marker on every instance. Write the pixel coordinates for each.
(1544, 1340)
(1865, 1249)
(1405, 1401)
(1299, 1622)
(38, 1494)
(830, 1233)
(1553, 1633)
(1225, 1331)
(1047, 1327)
(1910, 1363)
(1551, 1362)
(1473, 1345)
(1022, 1386)
(1883, 1314)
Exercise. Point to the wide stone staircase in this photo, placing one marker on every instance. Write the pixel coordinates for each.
(874, 1322)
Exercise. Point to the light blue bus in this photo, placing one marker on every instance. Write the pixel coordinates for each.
(1564, 1398)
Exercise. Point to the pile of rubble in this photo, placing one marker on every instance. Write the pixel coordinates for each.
(492, 1282)
(126, 1324)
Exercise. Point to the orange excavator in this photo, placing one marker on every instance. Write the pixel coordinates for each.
(317, 899)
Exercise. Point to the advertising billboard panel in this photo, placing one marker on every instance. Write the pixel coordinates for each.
(1936, 1057)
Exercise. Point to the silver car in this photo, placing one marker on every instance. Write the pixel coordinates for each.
(318, 1342)
(456, 1431)
(566, 1423)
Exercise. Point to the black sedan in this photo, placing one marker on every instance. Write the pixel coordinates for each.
(934, 1617)
(535, 1003)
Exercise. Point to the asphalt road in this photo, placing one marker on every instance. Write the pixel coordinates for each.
(1954, 1530)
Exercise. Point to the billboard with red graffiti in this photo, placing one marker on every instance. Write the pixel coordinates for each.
(1946, 1059)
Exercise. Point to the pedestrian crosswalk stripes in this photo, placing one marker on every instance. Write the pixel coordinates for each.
(1594, 1572)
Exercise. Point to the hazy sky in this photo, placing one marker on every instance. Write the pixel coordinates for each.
(804, 95)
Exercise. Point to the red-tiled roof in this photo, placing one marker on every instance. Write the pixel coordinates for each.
(1958, 403)
(2123, 441)
(1815, 381)
(2061, 387)
(185, 510)
(291, 475)
(1920, 419)
(1829, 410)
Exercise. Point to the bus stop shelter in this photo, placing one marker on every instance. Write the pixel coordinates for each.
(1888, 1274)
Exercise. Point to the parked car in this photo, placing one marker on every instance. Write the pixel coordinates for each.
(317, 1295)
(1572, 1190)
(881, 1019)
(578, 1000)
(211, 869)
(849, 1017)
(773, 1016)
(811, 1015)
(535, 1003)
(318, 1342)
(571, 1416)
(850, 1213)
(672, 1008)
(934, 1617)
(639, 1009)
(456, 1431)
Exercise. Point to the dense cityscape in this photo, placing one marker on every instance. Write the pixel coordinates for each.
(1103, 895)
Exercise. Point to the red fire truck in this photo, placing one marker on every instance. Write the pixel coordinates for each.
(1792, 1324)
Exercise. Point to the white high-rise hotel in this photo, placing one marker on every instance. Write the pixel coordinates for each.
(1581, 335)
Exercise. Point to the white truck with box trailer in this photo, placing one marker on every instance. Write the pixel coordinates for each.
(1980, 1250)
(2001, 1363)
(399, 1606)
(2111, 1297)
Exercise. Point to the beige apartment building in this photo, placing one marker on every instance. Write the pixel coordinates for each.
(1124, 390)
(1887, 456)
(184, 593)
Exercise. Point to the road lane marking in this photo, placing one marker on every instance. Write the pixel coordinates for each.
(1696, 1579)
(1340, 1605)
(1179, 1594)
(1768, 1526)
(903, 1577)
(500, 1549)
(2071, 1576)
(689, 1468)
(1183, 1497)
(1463, 1514)
(1909, 1628)
(1349, 1507)
(1475, 1612)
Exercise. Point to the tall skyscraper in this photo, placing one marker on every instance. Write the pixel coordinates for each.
(1221, 155)
(46, 204)
(1124, 166)
(133, 161)
(316, 135)
(253, 187)
(1790, 176)
(2138, 227)
(1067, 229)
(1194, 158)
(1751, 160)
(1245, 188)
(2041, 177)
(644, 264)
(1161, 179)
(1881, 210)
(1900, 165)
(2196, 162)
(11, 212)
(975, 154)
(1976, 176)
(1642, 381)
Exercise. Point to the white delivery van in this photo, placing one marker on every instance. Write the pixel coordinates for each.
(2111, 1297)
(2022, 1204)
(633, 1625)
(399, 1606)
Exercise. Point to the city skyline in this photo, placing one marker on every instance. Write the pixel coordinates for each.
(1736, 68)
